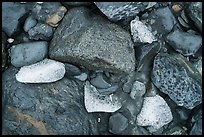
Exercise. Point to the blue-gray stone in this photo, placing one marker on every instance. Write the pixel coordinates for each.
(100, 82)
(29, 23)
(183, 42)
(28, 53)
(176, 76)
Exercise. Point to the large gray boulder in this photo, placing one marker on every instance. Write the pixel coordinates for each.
(176, 76)
(56, 108)
(91, 41)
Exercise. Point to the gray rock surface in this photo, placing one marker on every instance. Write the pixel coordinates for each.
(108, 91)
(4, 51)
(11, 17)
(71, 70)
(54, 108)
(45, 71)
(138, 89)
(76, 3)
(29, 23)
(195, 13)
(41, 32)
(120, 10)
(196, 123)
(183, 42)
(81, 77)
(28, 53)
(100, 81)
(91, 42)
(117, 123)
(176, 76)
(198, 65)
(175, 131)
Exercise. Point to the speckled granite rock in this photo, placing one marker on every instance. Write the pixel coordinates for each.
(177, 77)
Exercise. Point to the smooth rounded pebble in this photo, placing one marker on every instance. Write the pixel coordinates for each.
(45, 71)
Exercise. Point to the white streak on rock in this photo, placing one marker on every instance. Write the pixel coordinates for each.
(45, 71)
(95, 102)
(140, 32)
(155, 113)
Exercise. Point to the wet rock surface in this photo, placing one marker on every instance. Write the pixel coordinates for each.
(101, 68)
(175, 76)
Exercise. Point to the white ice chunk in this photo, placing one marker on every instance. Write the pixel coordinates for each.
(141, 32)
(155, 113)
(96, 102)
(45, 71)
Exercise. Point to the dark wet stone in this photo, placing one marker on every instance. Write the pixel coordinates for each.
(42, 11)
(162, 20)
(175, 131)
(12, 13)
(28, 53)
(55, 108)
(121, 10)
(76, 3)
(129, 80)
(176, 76)
(195, 13)
(117, 123)
(100, 81)
(109, 90)
(71, 70)
(41, 32)
(92, 42)
(29, 23)
(183, 42)
(4, 51)
(196, 123)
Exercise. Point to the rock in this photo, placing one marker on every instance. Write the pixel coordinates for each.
(183, 113)
(195, 13)
(183, 42)
(138, 89)
(100, 81)
(21, 38)
(138, 130)
(155, 113)
(30, 22)
(95, 102)
(41, 12)
(117, 123)
(177, 77)
(196, 123)
(198, 65)
(81, 77)
(175, 131)
(76, 3)
(4, 51)
(108, 91)
(53, 108)
(28, 53)
(72, 70)
(129, 80)
(12, 13)
(41, 32)
(140, 32)
(45, 71)
(162, 20)
(92, 43)
(121, 10)
(176, 8)
(55, 18)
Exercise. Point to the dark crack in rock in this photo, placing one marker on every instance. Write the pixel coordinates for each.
(176, 76)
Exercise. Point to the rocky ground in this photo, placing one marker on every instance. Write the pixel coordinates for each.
(102, 68)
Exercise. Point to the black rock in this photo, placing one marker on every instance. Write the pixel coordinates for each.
(4, 51)
(183, 42)
(195, 13)
(176, 76)
(55, 108)
(12, 13)
(117, 123)
(41, 32)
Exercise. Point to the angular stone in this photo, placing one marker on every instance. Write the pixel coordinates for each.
(195, 13)
(76, 3)
(82, 77)
(117, 123)
(129, 80)
(11, 17)
(72, 70)
(4, 51)
(198, 65)
(176, 76)
(108, 91)
(28, 53)
(175, 131)
(155, 113)
(121, 10)
(41, 31)
(141, 32)
(100, 82)
(196, 123)
(92, 43)
(138, 89)
(29, 23)
(45, 71)
(183, 42)
(53, 108)
(95, 102)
